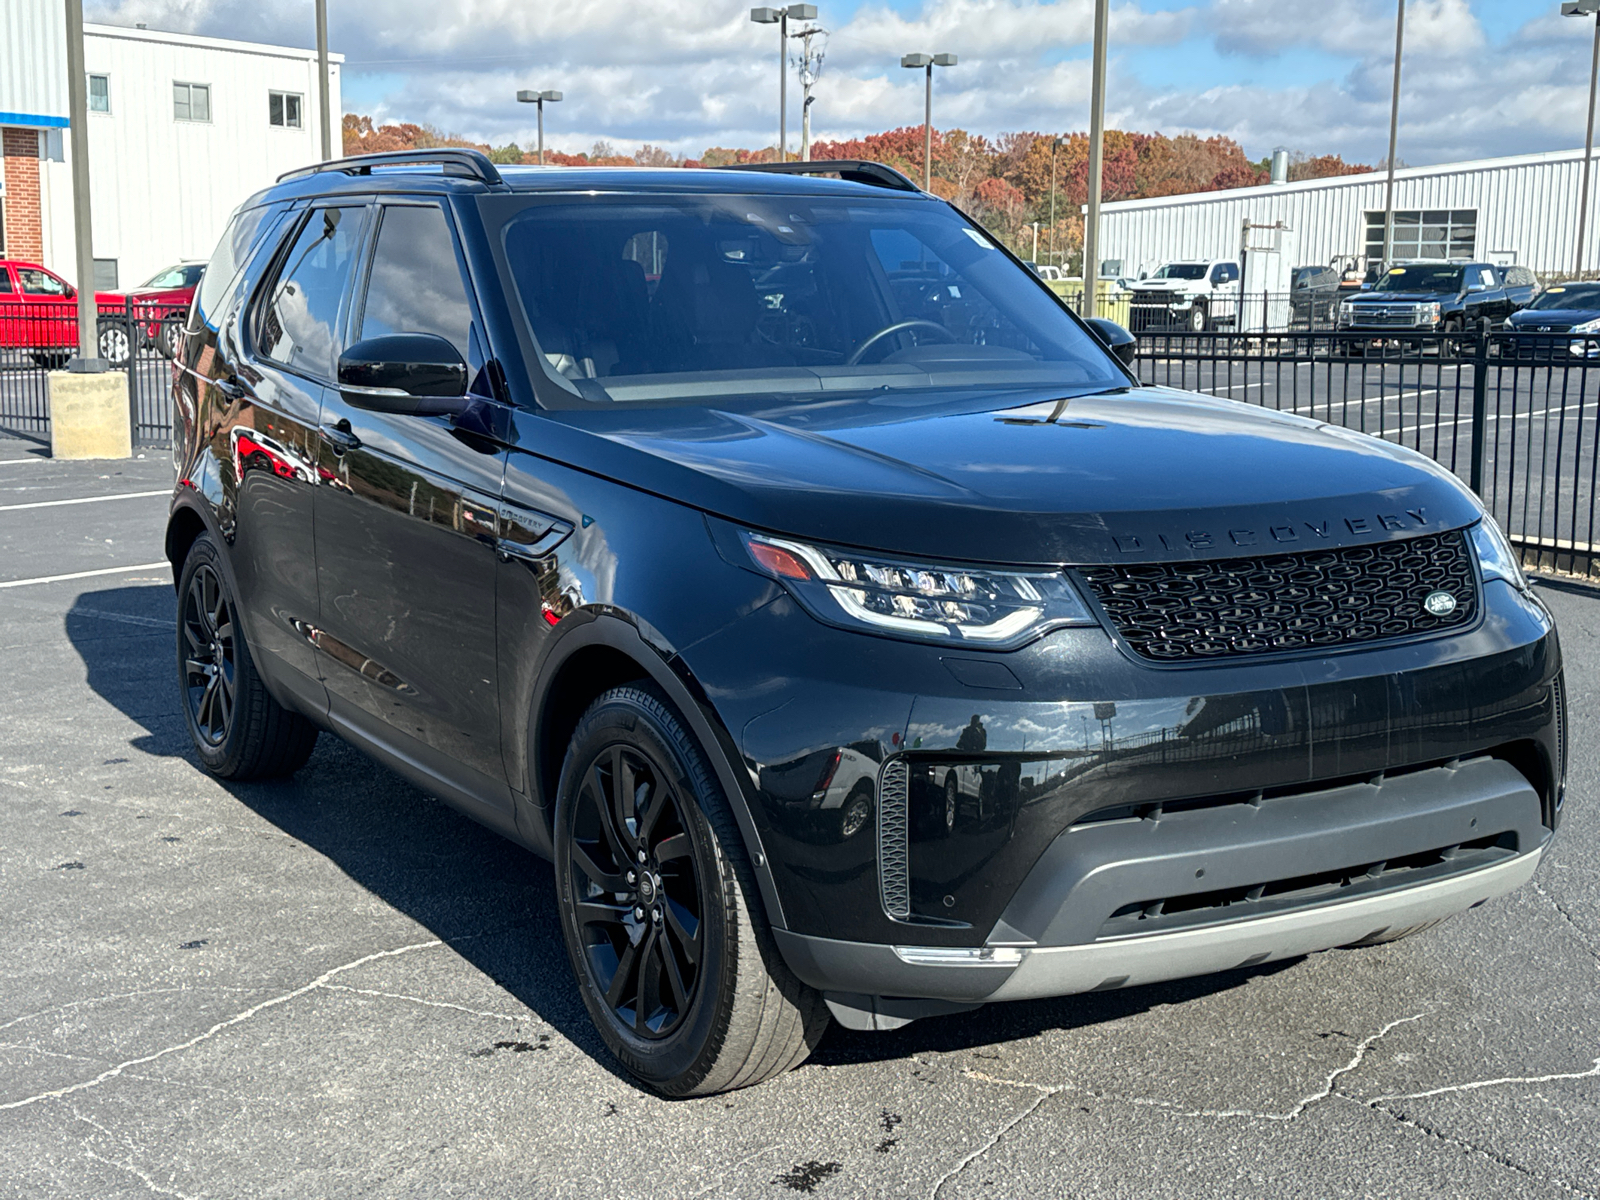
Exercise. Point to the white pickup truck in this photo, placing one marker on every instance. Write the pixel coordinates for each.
(1196, 295)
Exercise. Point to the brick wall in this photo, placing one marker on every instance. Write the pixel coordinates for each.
(24, 238)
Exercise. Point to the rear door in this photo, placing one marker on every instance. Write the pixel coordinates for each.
(10, 309)
(406, 523)
(49, 312)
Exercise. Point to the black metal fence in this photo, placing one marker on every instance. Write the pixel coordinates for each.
(1515, 415)
(1230, 312)
(38, 335)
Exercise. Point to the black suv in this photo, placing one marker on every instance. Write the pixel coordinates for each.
(783, 560)
(1443, 297)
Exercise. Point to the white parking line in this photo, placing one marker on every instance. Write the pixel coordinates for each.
(13, 583)
(84, 500)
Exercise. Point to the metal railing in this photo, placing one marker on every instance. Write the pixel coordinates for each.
(38, 335)
(1515, 415)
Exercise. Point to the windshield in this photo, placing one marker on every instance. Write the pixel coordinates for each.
(1570, 295)
(688, 296)
(1181, 271)
(1420, 279)
(175, 277)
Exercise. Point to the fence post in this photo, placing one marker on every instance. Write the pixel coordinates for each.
(1480, 403)
(132, 367)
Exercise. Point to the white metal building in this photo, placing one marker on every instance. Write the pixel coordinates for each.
(1522, 210)
(181, 129)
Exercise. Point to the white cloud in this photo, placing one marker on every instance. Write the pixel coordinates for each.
(690, 75)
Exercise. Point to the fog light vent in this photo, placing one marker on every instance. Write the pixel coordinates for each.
(894, 838)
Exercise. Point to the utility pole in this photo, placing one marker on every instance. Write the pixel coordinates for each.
(1394, 132)
(1582, 8)
(87, 361)
(810, 72)
(1035, 256)
(1097, 137)
(1055, 144)
(322, 80)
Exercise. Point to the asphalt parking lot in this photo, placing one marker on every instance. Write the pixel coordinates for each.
(337, 986)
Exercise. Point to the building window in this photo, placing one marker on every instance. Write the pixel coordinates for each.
(283, 109)
(1442, 233)
(191, 101)
(100, 93)
(105, 274)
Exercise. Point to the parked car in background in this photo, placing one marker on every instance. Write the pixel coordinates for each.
(162, 302)
(37, 316)
(1314, 294)
(1195, 295)
(1521, 285)
(1564, 309)
(1442, 297)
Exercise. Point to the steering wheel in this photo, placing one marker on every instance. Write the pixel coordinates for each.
(887, 330)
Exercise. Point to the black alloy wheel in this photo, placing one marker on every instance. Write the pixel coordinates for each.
(210, 669)
(239, 731)
(639, 904)
(661, 912)
(952, 800)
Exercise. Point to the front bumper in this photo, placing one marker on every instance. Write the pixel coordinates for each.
(1221, 887)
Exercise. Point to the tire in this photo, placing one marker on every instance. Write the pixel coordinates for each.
(238, 730)
(1394, 935)
(856, 811)
(672, 955)
(1197, 321)
(169, 337)
(952, 800)
(113, 343)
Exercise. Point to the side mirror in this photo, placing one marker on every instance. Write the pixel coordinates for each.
(1115, 338)
(409, 374)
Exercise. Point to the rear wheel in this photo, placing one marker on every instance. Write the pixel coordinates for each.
(660, 910)
(238, 730)
(170, 336)
(115, 346)
(1197, 319)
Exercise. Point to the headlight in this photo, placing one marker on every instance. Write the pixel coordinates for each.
(1495, 555)
(1587, 327)
(1428, 314)
(977, 606)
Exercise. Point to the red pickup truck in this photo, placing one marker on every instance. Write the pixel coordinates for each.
(39, 314)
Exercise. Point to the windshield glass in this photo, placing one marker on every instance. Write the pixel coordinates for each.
(640, 298)
(1181, 271)
(1420, 279)
(175, 277)
(1570, 295)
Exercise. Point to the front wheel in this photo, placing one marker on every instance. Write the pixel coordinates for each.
(661, 913)
(239, 731)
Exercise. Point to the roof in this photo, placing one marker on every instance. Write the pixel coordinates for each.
(195, 41)
(1338, 181)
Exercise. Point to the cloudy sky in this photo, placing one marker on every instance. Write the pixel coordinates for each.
(1483, 77)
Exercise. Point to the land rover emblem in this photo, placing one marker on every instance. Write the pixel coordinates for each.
(1440, 604)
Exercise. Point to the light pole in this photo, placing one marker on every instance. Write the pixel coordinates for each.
(1584, 8)
(1097, 137)
(1394, 132)
(322, 80)
(528, 97)
(927, 62)
(87, 360)
(780, 17)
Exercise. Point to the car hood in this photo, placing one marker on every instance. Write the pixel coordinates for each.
(1141, 473)
(1169, 285)
(1553, 316)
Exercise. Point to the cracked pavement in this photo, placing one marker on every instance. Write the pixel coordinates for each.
(339, 987)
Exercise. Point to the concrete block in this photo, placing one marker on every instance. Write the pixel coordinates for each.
(89, 415)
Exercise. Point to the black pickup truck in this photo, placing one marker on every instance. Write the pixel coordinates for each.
(1439, 297)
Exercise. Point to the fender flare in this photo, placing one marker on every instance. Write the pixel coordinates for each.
(617, 630)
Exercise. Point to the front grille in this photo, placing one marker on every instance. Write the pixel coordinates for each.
(1196, 611)
(1375, 316)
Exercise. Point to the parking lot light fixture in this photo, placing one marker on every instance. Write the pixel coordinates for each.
(927, 62)
(526, 96)
(781, 17)
(1586, 8)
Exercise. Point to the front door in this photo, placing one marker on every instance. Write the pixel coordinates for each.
(406, 524)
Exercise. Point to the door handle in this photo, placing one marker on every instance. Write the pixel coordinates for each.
(228, 388)
(340, 437)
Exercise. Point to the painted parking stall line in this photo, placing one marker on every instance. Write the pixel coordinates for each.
(84, 500)
(16, 583)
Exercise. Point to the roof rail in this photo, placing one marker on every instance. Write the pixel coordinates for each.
(474, 164)
(856, 170)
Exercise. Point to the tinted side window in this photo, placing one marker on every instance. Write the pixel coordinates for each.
(5, 281)
(299, 316)
(230, 254)
(40, 283)
(415, 285)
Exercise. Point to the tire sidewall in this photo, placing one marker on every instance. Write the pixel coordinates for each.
(223, 758)
(677, 1062)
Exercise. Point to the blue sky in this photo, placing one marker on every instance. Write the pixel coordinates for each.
(1483, 77)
